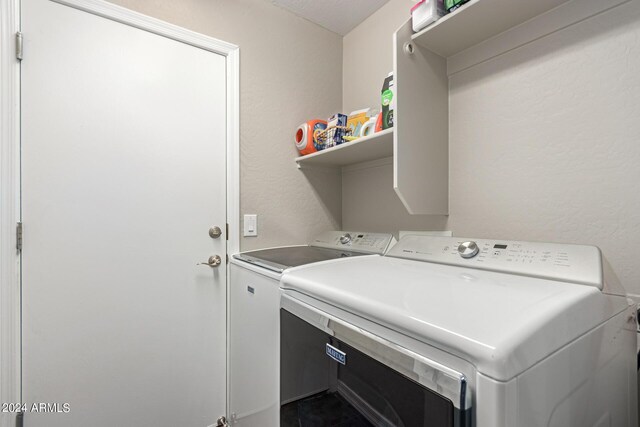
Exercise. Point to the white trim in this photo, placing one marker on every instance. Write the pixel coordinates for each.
(9, 209)
(10, 375)
(153, 25)
(233, 150)
(233, 183)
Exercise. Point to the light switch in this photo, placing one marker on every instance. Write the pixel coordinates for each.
(251, 225)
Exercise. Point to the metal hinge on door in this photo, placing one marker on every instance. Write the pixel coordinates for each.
(20, 419)
(19, 46)
(227, 231)
(19, 236)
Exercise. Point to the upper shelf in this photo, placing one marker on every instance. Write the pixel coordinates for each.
(376, 146)
(478, 21)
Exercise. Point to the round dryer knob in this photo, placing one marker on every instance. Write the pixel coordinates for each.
(468, 249)
(345, 238)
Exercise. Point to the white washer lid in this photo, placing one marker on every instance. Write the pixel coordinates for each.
(501, 323)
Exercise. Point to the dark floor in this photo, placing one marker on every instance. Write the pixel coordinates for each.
(321, 410)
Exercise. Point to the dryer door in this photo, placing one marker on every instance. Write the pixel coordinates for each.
(332, 373)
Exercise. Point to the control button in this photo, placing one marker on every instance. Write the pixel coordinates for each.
(345, 238)
(468, 249)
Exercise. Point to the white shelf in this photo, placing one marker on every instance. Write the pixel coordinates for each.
(376, 146)
(478, 21)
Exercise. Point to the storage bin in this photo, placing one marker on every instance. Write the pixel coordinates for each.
(426, 12)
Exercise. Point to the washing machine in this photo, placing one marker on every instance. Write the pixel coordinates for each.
(449, 332)
(254, 322)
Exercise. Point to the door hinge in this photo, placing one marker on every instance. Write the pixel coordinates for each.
(222, 422)
(19, 47)
(227, 255)
(227, 231)
(20, 419)
(19, 236)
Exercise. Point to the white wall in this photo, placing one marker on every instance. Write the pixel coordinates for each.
(290, 71)
(544, 140)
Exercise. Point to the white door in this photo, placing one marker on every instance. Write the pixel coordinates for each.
(123, 174)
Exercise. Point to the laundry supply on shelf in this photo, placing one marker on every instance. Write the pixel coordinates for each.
(426, 12)
(369, 128)
(336, 130)
(379, 122)
(452, 5)
(306, 137)
(357, 119)
(388, 101)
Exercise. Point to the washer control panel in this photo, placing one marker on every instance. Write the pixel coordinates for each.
(375, 243)
(569, 263)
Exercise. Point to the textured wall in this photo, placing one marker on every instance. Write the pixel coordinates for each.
(544, 143)
(367, 55)
(290, 71)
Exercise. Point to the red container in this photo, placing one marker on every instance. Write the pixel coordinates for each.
(305, 138)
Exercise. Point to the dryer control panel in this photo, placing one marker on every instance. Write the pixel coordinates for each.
(375, 243)
(568, 263)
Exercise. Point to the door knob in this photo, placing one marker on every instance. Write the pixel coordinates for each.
(215, 232)
(214, 261)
